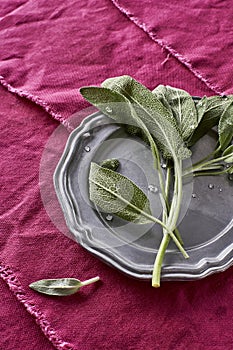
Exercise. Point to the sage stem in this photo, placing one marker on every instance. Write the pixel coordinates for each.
(159, 260)
(91, 280)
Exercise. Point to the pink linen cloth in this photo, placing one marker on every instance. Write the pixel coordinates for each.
(49, 50)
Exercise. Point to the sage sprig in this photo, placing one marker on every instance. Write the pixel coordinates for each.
(115, 193)
(60, 286)
(168, 120)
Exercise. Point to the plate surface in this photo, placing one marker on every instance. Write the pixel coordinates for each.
(206, 223)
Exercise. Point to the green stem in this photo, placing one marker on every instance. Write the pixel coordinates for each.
(159, 260)
(91, 280)
(167, 187)
(208, 156)
(168, 181)
(202, 164)
(174, 214)
(209, 173)
(176, 241)
(155, 154)
(172, 220)
(146, 215)
(176, 211)
(215, 160)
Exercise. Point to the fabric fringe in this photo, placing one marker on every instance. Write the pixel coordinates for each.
(38, 101)
(167, 47)
(11, 279)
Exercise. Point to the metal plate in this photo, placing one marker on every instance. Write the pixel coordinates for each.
(206, 227)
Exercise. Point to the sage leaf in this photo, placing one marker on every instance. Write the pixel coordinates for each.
(225, 127)
(215, 107)
(230, 170)
(228, 152)
(136, 131)
(119, 108)
(201, 106)
(109, 102)
(111, 164)
(60, 286)
(115, 193)
(181, 105)
(155, 116)
(160, 91)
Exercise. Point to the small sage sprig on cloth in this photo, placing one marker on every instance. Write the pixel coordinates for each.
(60, 286)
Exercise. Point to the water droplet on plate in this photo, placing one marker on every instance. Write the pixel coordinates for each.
(109, 217)
(211, 186)
(86, 135)
(153, 188)
(108, 109)
(163, 165)
(194, 195)
(220, 190)
(99, 122)
(87, 148)
(230, 177)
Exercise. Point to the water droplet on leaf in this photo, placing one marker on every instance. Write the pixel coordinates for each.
(230, 177)
(108, 109)
(152, 188)
(163, 165)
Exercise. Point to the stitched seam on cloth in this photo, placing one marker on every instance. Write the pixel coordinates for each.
(37, 101)
(172, 51)
(10, 278)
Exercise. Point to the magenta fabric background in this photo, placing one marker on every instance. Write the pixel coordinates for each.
(47, 51)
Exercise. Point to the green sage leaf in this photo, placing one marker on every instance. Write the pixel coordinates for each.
(155, 116)
(228, 152)
(181, 105)
(201, 106)
(115, 193)
(215, 107)
(225, 127)
(111, 164)
(59, 287)
(109, 102)
(136, 131)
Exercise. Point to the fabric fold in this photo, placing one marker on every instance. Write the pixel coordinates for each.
(197, 34)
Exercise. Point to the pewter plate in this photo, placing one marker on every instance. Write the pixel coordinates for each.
(206, 223)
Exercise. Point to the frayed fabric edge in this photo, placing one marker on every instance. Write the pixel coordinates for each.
(167, 47)
(38, 101)
(15, 286)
